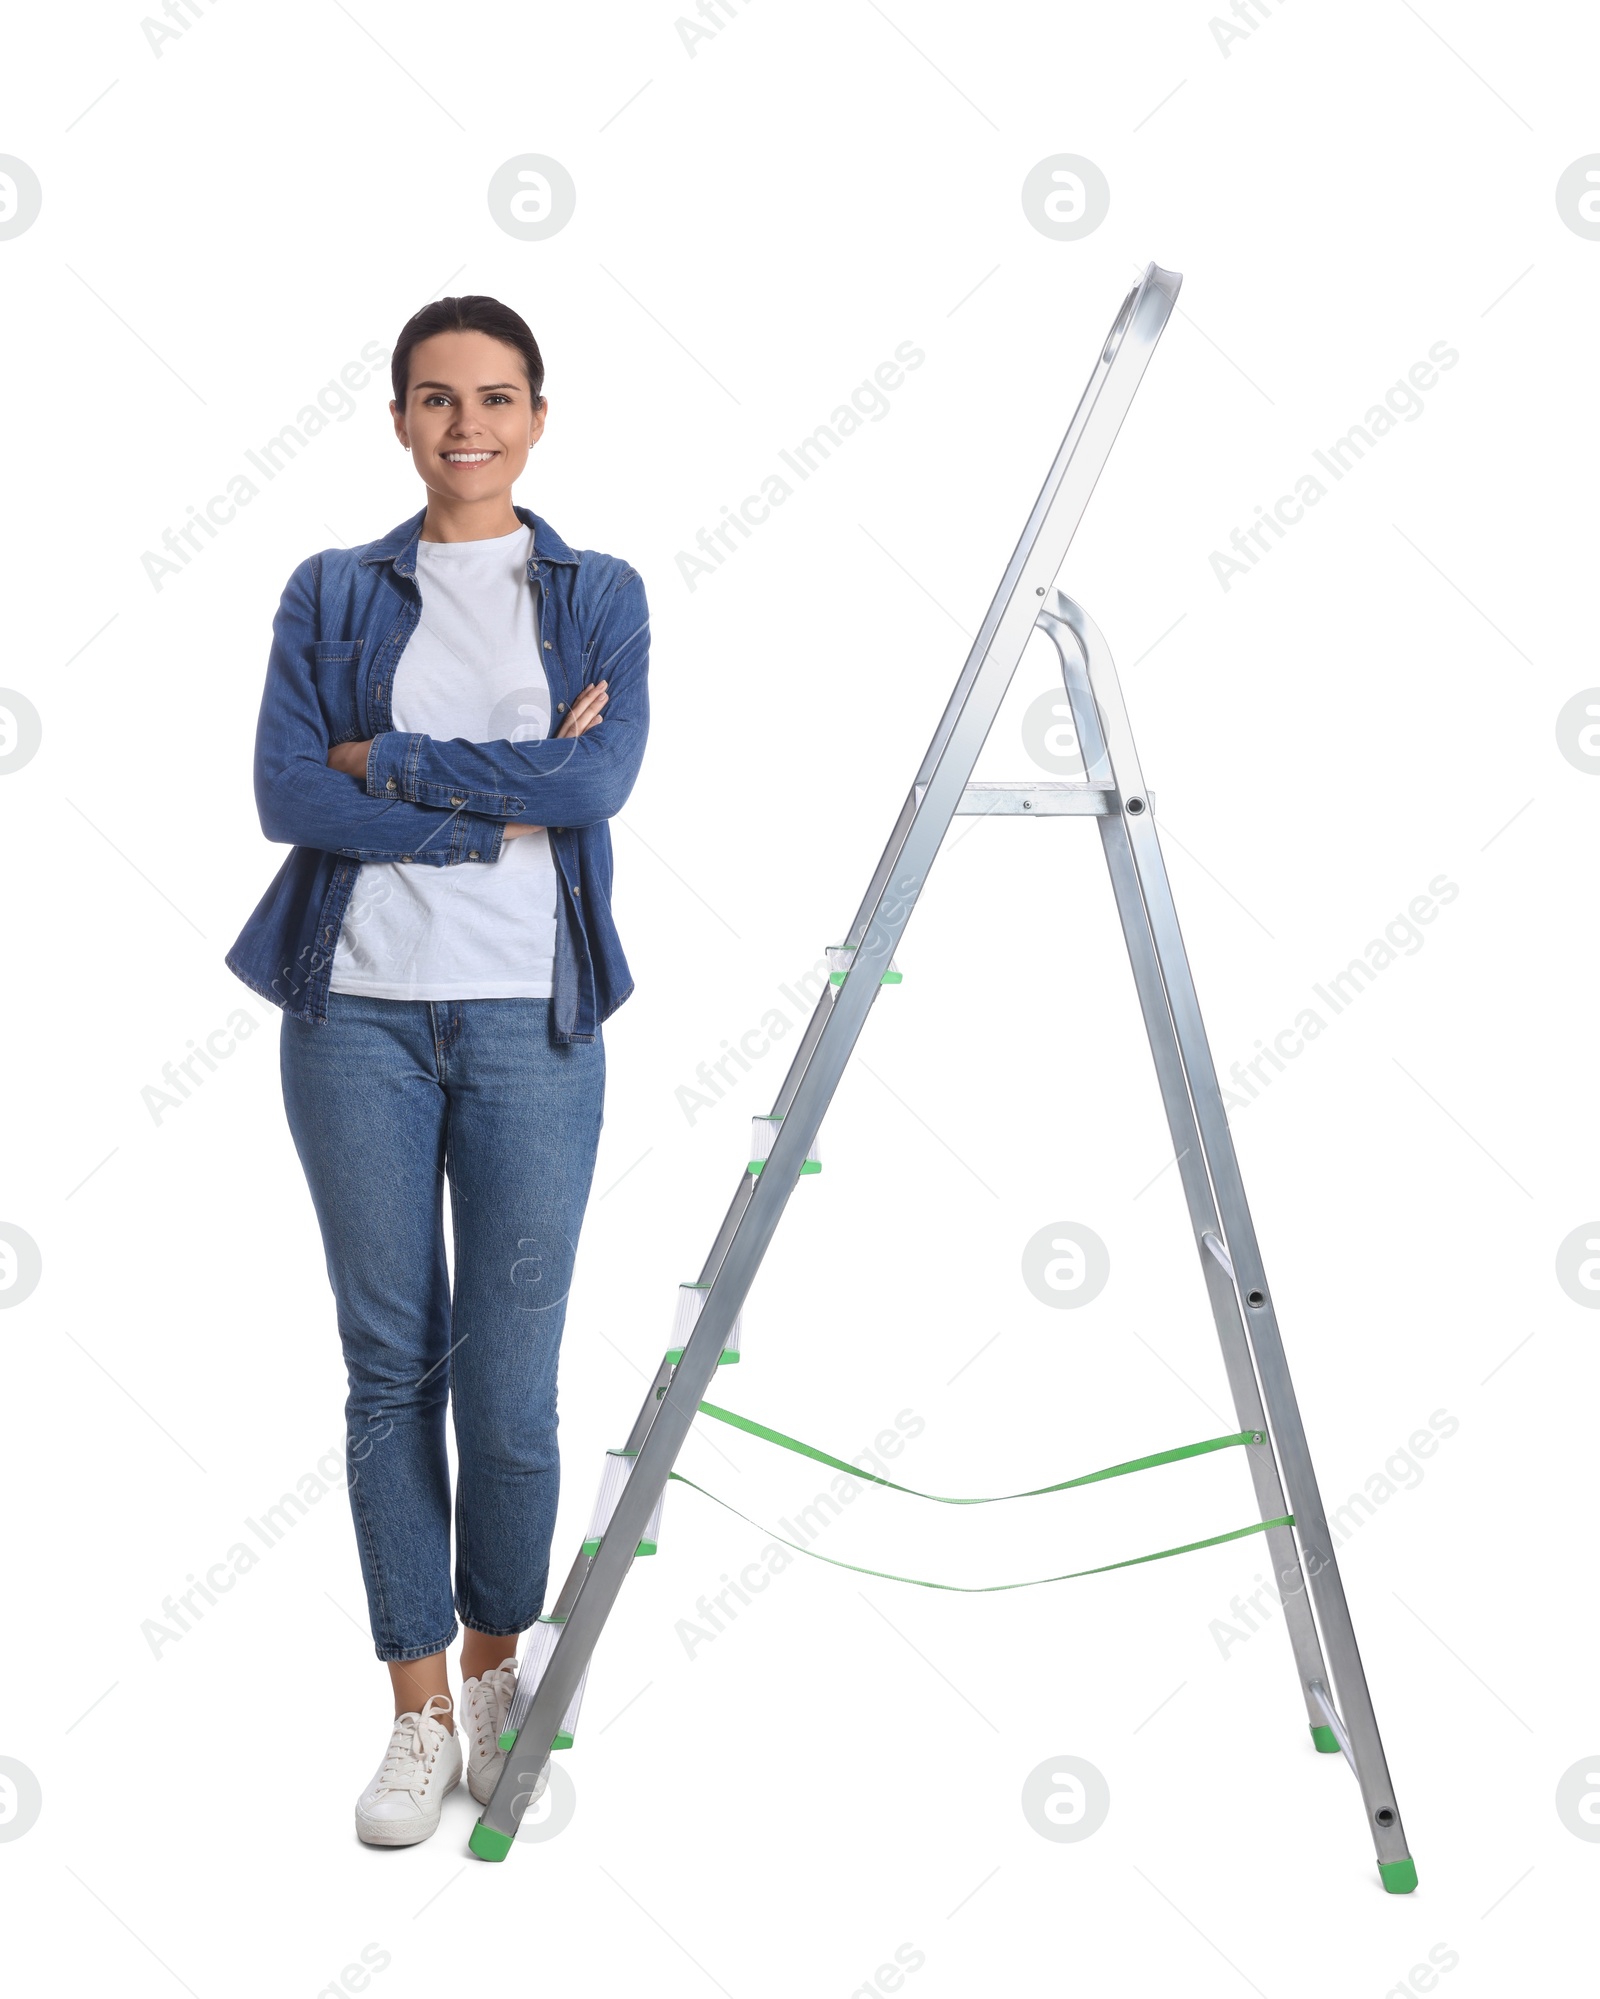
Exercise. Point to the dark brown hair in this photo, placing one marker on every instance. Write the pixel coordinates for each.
(474, 313)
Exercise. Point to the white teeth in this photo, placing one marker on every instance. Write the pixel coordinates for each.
(468, 457)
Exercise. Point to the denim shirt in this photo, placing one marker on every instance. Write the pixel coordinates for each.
(337, 639)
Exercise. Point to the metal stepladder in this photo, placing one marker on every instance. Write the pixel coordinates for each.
(554, 1669)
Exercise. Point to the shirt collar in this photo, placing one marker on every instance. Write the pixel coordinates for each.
(399, 545)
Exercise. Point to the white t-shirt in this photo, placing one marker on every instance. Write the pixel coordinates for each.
(472, 669)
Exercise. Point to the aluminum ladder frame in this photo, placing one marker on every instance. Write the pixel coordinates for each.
(1112, 792)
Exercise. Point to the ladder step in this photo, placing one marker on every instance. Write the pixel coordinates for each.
(1214, 1244)
(1332, 1724)
(541, 1643)
(1045, 798)
(1049, 796)
(840, 958)
(690, 1298)
(618, 1465)
(763, 1131)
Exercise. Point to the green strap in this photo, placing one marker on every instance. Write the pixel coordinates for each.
(985, 1589)
(1087, 1478)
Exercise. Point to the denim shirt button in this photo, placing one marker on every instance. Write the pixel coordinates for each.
(473, 855)
(457, 801)
(392, 786)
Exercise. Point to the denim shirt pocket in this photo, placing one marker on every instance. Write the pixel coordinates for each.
(335, 665)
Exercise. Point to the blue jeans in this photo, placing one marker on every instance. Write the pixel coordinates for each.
(385, 1101)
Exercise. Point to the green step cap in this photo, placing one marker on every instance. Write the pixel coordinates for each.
(488, 1844)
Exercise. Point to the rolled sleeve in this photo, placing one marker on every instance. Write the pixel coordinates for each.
(477, 839)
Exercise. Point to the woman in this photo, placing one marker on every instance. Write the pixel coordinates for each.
(440, 941)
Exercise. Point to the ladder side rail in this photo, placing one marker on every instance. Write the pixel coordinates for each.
(1041, 507)
(647, 1409)
(1041, 547)
(1238, 1232)
(760, 1211)
(1197, 1191)
(1083, 453)
(580, 1567)
(800, 1060)
(568, 1594)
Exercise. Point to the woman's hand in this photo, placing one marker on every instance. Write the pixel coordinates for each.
(351, 758)
(583, 714)
(585, 711)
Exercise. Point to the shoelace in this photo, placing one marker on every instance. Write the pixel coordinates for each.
(488, 1702)
(412, 1748)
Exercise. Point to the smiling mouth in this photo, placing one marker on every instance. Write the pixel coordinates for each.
(468, 457)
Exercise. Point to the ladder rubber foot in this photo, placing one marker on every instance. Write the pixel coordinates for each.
(488, 1844)
(1399, 1876)
(1325, 1739)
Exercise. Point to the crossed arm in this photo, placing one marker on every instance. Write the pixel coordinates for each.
(585, 713)
(420, 799)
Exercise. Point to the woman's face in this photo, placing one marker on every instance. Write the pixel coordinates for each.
(469, 417)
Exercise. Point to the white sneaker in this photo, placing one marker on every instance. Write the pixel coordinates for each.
(484, 1703)
(402, 1803)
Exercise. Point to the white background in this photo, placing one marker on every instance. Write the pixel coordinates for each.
(838, 1774)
